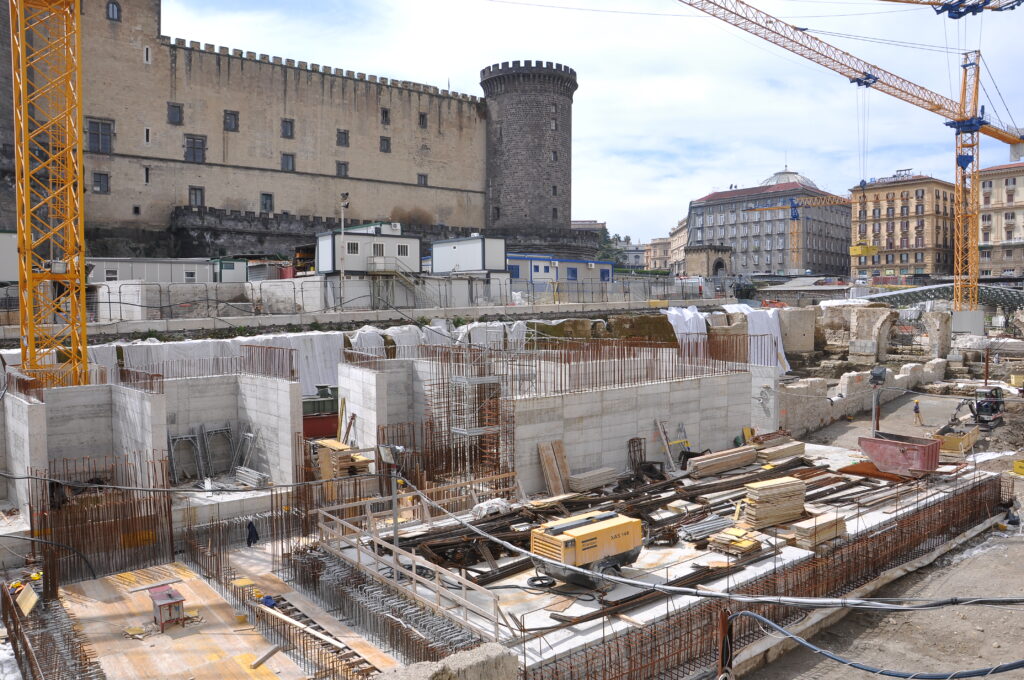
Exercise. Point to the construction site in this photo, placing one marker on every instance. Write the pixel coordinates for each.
(670, 485)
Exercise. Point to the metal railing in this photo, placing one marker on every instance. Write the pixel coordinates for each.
(257, 360)
(30, 386)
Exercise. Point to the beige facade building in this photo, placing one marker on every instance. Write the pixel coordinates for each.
(658, 253)
(908, 218)
(1001, 237)
(677, 248)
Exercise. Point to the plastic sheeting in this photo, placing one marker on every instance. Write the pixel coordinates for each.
(406, 338)
(762, 322)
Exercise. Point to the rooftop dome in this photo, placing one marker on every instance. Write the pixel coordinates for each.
(787, 176)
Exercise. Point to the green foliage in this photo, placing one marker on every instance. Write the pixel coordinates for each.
(607, 250)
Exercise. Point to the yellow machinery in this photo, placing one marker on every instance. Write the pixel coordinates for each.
(963, 116)
(598, 540)
(46, 59)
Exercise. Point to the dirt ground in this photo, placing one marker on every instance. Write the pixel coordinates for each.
(945, 640)
(941, 641)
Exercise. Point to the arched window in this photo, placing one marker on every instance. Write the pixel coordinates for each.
(113, 11)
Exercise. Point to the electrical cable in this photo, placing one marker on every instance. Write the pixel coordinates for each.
(59, 545)
(974, 673)
(798, 602)
(676, 14)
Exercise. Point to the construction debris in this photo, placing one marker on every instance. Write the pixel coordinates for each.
(735, 541)
(703, 529)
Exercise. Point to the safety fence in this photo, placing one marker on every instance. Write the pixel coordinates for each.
(256, 360)
(116, 301)
(552, 366)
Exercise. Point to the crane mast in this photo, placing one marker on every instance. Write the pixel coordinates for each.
(963, 117)
(46, 52)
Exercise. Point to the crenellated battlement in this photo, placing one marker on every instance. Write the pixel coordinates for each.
(527, 67)
(331, 71)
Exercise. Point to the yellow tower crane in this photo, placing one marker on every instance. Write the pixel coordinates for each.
(46, 60)
(963, 116)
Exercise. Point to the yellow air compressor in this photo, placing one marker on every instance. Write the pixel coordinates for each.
(599, 540)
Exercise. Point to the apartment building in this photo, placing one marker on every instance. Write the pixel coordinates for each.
(658, 253)
(1001, 235)
(749, 230)
(907, 222)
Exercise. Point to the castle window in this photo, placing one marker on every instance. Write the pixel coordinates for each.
(554, 189)
(99, 135)
(421, 180)
(195, 148)
(385, 145)
(423, 120)
(341, 169)
(554, 124)
(342, 138)
(146, 171)
(113, 11)
(496, 213)
(554, 155)
(288, 162)
(385, 116)
(175, 113)
(147, 135)
(287, 128)
(267, 203)
(147, 55)
(231, 121)
(554, 213)
(196, 197)
(100, 183)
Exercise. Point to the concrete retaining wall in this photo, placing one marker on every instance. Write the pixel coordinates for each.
(139, 421)
(26, 443)
(595, 426)
(807, 405)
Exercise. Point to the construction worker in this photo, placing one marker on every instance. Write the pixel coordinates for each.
(917, 413)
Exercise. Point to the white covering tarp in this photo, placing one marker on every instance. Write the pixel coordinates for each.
(406, 338)
(762, 322)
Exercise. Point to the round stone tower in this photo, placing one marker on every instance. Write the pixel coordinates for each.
(529, 148)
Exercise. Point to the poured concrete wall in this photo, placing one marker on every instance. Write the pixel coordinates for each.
(78, 422)
(139, 421)
(595, 426)
(3, 451)
(273, 409)
(26, 443)
(210, 401)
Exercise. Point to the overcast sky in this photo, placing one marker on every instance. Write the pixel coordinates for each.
(672, 104)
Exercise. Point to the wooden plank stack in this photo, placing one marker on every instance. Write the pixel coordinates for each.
(811, 532)
(721, 461)
(593, 479)
(773, 501)
(734, 541)
(773, 453)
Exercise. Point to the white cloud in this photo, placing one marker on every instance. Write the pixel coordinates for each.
(669, 107)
